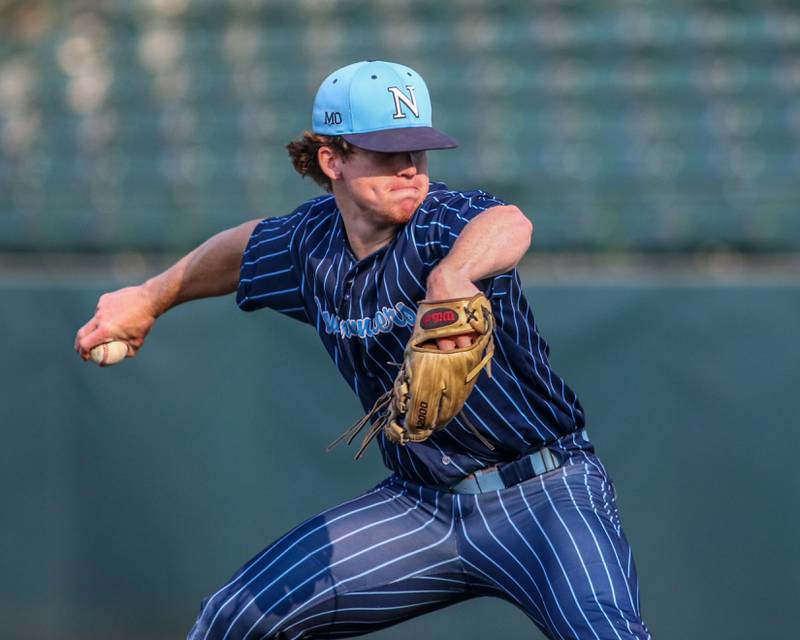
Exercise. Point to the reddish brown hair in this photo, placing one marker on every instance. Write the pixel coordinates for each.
(303, 153)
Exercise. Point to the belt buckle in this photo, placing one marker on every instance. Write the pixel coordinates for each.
(480, 472)
(545, 460)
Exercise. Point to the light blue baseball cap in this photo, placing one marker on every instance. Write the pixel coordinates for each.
(379, 106)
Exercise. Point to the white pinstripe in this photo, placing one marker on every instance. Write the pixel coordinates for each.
(308, 212)
(316, 228)
(338, 610)
(394, 593)
(597, 546)
(416, 574)
(558, 560)
(516, 406)
(541, 566)
(611, 543)
(542, 356)
(502, 570)
(411, 302)
(367, 342)
(347, 632)
(496, 364)
(405, 331)
(453, 462)
(476, 417)
(325, 218)
(328, 567)
(580, 556)
(270, 239)
(318, 241)
(364, 573)
(533, 363)
(264, 257)
(266, 275)
(257, 560)
(500, 589)
(463, 441)
(517, 561)
(500, 414)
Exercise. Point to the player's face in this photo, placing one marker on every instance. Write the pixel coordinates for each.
(389, 185)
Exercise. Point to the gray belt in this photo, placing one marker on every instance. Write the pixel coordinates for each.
(508, 474)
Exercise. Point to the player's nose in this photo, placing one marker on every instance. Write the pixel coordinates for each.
(406, 164)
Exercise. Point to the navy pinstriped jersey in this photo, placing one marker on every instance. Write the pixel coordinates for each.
(364, 311)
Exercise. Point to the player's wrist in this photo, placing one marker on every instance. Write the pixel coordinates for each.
(447, 281)
(153, 293)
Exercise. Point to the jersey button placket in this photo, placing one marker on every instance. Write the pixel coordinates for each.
(347, 287)
(348, 284)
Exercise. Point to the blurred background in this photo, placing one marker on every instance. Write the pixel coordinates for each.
(656, 146)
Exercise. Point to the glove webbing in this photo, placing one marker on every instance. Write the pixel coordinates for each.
(381, 403)
(350, 433)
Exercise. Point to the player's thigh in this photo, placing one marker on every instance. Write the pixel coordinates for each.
(326, 565)
(573, 517)
(555, 546)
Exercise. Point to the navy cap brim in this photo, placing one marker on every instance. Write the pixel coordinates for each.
(402, 139)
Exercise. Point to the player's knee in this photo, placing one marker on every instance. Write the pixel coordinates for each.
(218, 615)
(233, 614)
(209, 622)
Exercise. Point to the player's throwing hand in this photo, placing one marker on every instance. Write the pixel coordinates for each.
(126, 314)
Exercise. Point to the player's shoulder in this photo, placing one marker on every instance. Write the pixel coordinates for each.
(313, 209)
(441, 199)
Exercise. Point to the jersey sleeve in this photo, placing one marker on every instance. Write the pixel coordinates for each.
(269, 275)
(442, 218)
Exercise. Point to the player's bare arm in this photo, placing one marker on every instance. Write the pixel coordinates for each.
(128, 314)
(492, 243)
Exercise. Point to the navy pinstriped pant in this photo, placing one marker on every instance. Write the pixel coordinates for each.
(551, 545)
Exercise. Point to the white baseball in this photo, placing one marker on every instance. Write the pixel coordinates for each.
(109, 353)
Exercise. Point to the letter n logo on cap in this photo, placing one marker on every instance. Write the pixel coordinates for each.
(398, 96)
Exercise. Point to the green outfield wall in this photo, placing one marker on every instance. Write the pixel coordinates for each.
(129, 493)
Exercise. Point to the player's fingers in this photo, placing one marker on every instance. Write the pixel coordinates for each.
(90, 340)
(134, 345)
(465, 340)
(445, 344)
(83, 331)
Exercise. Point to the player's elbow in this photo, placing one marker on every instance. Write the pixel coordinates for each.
(520, 225)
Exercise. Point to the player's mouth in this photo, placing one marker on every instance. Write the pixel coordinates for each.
(405, 191)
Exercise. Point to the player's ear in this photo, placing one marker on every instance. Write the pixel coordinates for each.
(329, 162)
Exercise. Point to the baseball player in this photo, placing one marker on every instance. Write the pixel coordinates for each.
(506, 498)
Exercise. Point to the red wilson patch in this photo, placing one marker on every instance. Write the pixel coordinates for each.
(439, 317)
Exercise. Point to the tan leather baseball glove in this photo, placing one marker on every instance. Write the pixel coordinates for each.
(433, 385)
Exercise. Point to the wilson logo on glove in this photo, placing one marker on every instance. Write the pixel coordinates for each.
(432, 385)
(436, 318)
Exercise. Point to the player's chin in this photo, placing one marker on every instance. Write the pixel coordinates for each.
(404, 204)
(401, 215)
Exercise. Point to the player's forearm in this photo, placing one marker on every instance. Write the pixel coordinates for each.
(128, 314)
(492, 243)
(212, 269)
